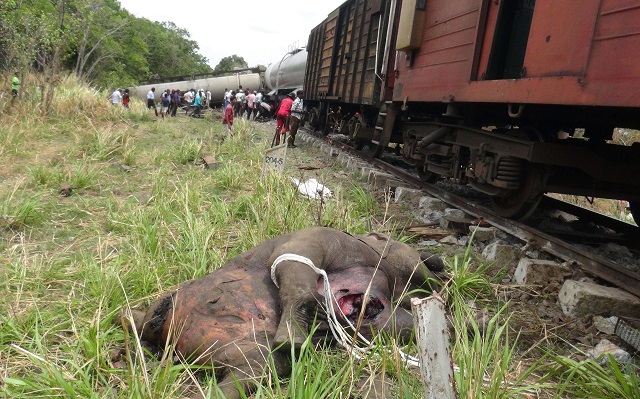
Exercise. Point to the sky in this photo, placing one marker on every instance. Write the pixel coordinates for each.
(259, 31)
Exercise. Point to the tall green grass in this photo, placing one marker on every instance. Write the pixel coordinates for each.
(70, 265)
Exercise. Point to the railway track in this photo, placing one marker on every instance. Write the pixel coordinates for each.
(563, 245)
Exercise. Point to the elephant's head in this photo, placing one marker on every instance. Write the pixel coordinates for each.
(403, 263)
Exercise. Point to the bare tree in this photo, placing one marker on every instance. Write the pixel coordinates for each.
(87, 16)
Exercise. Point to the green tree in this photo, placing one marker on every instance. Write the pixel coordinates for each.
(96, 40)
(171, 51)
(230, 63)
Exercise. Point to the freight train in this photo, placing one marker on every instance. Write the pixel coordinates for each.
(516, 98)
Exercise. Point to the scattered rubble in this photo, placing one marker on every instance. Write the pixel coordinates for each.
(580, 298)
(605, 347)
(556, 291)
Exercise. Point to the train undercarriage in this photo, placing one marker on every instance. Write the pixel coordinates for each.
(515, 164)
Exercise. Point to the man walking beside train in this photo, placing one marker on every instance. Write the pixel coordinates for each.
(227, 120)
(282, 117)
(251, 99)
(297, 111)
(151, 100)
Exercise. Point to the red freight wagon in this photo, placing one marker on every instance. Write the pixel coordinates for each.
(569, 52)
(516, 98)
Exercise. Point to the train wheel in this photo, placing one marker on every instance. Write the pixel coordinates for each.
(634, 207)
(427, 176)
(519, 204)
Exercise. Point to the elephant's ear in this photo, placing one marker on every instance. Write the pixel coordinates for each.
(378, 242)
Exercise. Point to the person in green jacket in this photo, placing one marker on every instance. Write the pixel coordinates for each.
(15, 86)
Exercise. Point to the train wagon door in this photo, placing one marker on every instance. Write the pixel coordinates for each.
(509, 46)
(328, 44)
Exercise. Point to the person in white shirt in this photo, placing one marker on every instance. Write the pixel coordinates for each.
(188, 97)
(116, 96)
(225, 99)
(239, 100)
(251, 100)
(297, 111)
(151, 102)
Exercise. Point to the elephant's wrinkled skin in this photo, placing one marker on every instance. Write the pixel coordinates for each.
(230, 317)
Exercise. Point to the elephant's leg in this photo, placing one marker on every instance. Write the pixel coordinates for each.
(248, 370)
(298, 301)
(138, 320)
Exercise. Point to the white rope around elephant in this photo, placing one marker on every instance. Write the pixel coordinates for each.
(339, 333)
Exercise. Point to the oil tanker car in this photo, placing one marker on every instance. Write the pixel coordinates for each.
(287, 75)
(516, 98)
(215, 85)
(279, 79)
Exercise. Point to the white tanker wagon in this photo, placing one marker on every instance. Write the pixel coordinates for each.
(286, 75)
(250, 81)
(280, 78)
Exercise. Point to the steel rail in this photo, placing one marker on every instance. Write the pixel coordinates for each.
(590, 262)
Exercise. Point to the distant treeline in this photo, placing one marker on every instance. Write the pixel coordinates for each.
(97, 40)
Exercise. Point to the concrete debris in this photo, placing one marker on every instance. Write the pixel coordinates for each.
(605, 325)
(540, 272)
(503, 255)
(428, 243)
(621, 255)
(450, 240)
(380, 179)
(456, 221)
(607, 347)
(452, 213)
(209, 161)
(430, 204)
(482, 234)
(408, 196)
(581, 298)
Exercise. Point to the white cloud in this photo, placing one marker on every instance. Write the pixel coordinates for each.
(259, 31)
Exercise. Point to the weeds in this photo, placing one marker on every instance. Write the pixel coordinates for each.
(128, 234)
(19, 210)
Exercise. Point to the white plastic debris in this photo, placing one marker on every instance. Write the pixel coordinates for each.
(311, 188)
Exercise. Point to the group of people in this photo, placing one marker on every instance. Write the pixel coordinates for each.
(170, 101)
(248, 103)
(117, 97)
(288, 115)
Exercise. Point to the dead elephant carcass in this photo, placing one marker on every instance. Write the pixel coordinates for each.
(265, 297)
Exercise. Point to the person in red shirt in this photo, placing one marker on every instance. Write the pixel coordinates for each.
(227, 120)
(125, 98)
(282, 117)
